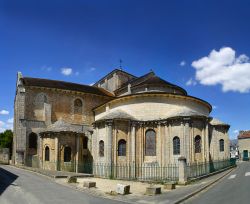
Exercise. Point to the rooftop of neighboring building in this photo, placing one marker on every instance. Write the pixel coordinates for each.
(244, 134)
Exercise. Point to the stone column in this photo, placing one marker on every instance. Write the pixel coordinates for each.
(56, 152)
(207, 142)
(109, 146)
(182, 170)
(77, 151)
(133, 146)
(183, 142)
(203, 140)
(133, 142)
(159, 144)
(187, 139)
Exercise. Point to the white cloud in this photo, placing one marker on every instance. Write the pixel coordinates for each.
(4, 112)
(214, 107)
(6, 126)
(10, 120)
(2, 123)
(236, 131)
(182, 63)
(66, 71)
(92, 69)
(91, 84)
(224, 68)
(191, 82)
(77, 73)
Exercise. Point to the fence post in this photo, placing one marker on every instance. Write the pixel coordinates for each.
(182, 170)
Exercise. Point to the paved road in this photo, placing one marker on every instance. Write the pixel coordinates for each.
(22, 187)
(235, 188)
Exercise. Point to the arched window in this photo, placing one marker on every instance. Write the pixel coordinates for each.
(67, 154)
(197, 144)
(150, 143)
(77, 106)
(221, 145)
(122, 148)
(176, 145)
(101, 148)
(46, 153)
(33, 140)
(85, 143)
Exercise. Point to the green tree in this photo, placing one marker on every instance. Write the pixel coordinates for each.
(6, 139)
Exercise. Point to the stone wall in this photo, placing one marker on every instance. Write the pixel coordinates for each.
(244, 144)
(62, 105)
(4, 155)
(155, 107)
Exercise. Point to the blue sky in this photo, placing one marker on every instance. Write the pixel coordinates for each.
(202, 46)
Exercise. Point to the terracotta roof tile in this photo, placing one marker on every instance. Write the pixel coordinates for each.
(244, 134)
(27, 81)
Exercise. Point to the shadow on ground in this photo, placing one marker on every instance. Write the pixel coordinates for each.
(6, 179)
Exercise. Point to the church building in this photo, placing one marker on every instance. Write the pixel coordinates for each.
(120, 120)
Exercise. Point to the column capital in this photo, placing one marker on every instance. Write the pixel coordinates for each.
(134, 123)
(109, 122)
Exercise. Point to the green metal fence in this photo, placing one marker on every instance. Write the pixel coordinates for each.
(149, 172)
(198, 169)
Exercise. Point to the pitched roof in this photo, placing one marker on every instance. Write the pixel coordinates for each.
(111, 73)
(62, 126)
(27, 81)
(150, 79)
(244, 134)
(216, 122)
(118, 114)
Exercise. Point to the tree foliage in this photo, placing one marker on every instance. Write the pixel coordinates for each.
(6, 139)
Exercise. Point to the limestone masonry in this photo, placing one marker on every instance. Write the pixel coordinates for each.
(121, 119)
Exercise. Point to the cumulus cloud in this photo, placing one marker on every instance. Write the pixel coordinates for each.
(191, 82)
(214, 107)
(66, 71)
(182, 63)
(6, 125)
(10, 120)
(224, 68)
(4, 112)
(236, 131)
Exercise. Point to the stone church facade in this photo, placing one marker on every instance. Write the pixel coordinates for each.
(121, 119)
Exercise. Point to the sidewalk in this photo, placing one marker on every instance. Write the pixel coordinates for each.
(54, 174)
(137, 189)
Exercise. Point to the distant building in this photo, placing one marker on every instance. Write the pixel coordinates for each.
(234, 149)
(244, 145)
(121, 119)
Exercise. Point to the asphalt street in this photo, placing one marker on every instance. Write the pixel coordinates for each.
(233, 189)
(18, 186)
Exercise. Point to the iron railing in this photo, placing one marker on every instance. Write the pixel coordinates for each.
(199, 169)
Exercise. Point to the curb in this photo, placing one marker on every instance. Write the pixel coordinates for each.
(203, 188)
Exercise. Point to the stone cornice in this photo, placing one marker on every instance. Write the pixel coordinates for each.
(155, 94)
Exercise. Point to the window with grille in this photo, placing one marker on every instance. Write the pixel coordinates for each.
(33, 140)
(197, 144)
(176, 145)
(221, 145)
(150, 143)
(67, 154)
(77, 106)
(101, 148)
(46, 153)
(122, 148)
